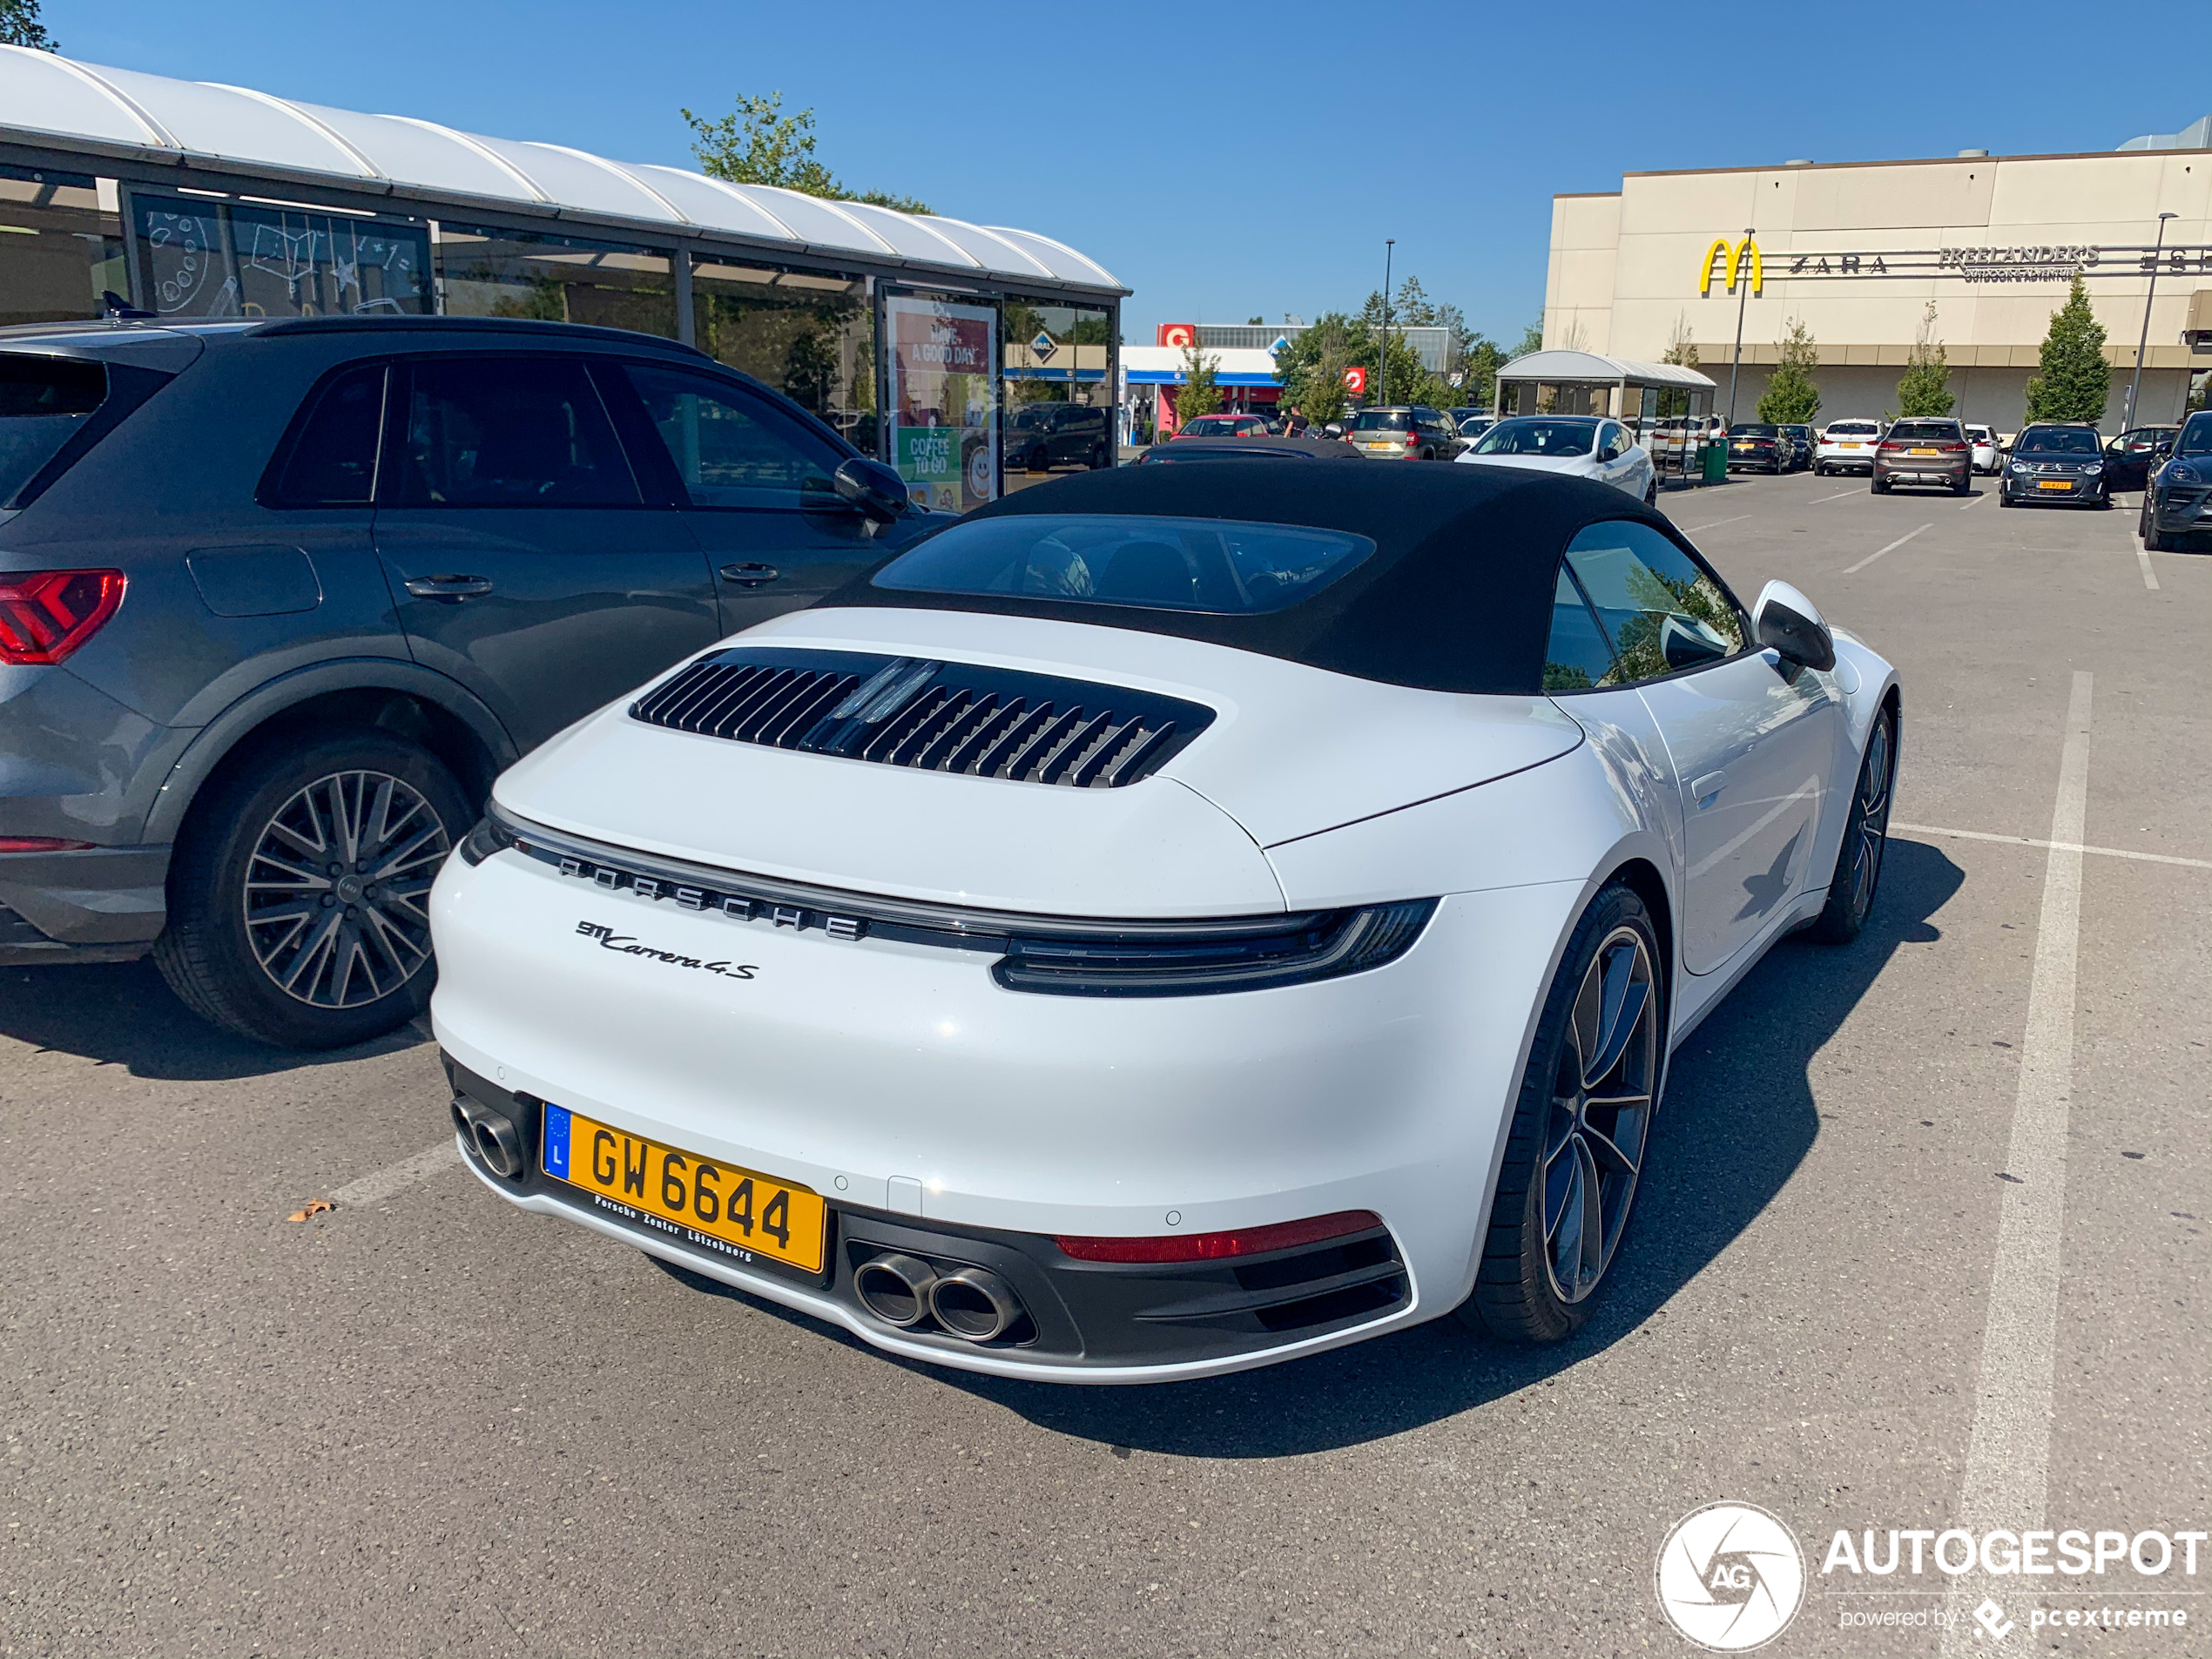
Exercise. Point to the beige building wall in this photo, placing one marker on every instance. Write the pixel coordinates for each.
(1624, 267)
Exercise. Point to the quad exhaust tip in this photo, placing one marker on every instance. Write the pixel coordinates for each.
(497, 1142)
(903, 1290)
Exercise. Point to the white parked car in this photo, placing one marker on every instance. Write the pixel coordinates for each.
(1988, 452)
(1167, 922)
(1846, 446)
(1572, 446)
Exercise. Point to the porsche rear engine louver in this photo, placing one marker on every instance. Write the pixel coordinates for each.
(932, 716)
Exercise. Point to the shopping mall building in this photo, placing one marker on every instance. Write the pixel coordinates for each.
(1858, 250)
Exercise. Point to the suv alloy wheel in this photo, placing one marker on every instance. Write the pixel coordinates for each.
(298, 893)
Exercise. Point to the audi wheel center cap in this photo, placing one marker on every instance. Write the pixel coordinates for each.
(1730, 1577)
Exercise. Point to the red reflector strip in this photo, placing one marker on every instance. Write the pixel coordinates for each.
(41, 844)
(1209, 1247)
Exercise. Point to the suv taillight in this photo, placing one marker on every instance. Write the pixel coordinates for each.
(1412, 440)
(45, 615)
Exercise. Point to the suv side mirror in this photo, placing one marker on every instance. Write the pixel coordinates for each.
(874, 488)
(1788, 623)
(1333, 430)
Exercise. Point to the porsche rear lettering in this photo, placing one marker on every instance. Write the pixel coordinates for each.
(627, 945)
(736, 906)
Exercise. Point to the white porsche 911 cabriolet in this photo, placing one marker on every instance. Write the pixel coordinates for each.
(1168, 921)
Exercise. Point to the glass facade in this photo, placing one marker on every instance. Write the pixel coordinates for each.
(944, 406)
(1056, 353)
(201, 257)
(485, 271)
(808, 334)
(59, 249)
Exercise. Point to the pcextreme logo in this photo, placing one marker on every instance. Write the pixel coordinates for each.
(1730, 1577)
(1732, 256)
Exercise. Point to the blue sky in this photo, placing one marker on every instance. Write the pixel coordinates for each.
(1223, 161)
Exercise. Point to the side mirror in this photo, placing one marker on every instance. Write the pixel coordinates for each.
(1333, 429)
(1787, 623)
(874, 488)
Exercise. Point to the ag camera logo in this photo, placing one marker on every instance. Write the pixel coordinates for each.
(1730, 1577)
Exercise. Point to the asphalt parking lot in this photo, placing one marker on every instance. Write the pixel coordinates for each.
(1925, 1237)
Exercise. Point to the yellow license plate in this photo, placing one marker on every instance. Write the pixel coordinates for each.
(1848, 444)
(1919, 452)
(2053, 483)
(699, 1201)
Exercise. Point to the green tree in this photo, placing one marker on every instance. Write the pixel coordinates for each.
(1925, 389)
(757, 144)
(1344, 341)
(1532, 339)
(19, 26)
(2075, 382)
(1318, 387)
(1791, 399)
(1480, 361)
(1200, 393)
(1682, 352)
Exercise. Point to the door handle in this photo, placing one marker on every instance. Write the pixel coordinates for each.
(451, 589)
(750, 574)
(1704, 791)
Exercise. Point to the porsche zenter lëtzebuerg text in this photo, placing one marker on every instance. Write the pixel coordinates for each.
(1168, 921)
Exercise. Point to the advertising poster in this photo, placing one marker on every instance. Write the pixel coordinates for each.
(944, 400)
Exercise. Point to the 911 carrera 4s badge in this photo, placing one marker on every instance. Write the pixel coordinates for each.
(627, 945)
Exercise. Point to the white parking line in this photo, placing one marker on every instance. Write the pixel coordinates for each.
(1838, 495)
(2142, 559)
(1976, 501)
(1692, 529)
(1892, 548)
(2008, 1453)
(2071, 846)
(380, 1185)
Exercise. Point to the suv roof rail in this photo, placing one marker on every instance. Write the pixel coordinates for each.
(473, 324)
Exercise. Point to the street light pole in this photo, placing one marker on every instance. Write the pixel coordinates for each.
(1382, 357)
(2135, 386)
(1742, 294)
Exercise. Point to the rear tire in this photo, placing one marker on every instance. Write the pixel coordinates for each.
(1866, 837)
(1581, 1130)
(298, 891)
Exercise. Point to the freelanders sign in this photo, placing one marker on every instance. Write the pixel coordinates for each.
(2059, 263)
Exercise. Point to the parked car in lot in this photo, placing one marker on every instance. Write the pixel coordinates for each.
(1039, 436)
(1924, 451)
(1459, 417)
(953, 1003)
(1225, 426)
(1801, 445)
(1754, 446)
(1263, 447)
(1846, 446)
(2056, 462)
(1406, 432)
(2129, 457)
(1988, 451)
(1475, 426)
(1573, 446)
(1674, 440)
(278, 599)
(2177, 500)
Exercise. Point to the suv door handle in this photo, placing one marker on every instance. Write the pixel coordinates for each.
(1704, 791)
(452, 589)
(750, 574)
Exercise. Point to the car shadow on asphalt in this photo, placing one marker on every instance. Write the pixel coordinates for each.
(1739, 1119)
(124, 1014)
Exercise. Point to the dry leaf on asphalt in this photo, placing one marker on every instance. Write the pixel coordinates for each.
(313, 1207)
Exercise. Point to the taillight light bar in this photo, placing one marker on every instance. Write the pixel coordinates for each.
(45, 615)
(1211, 1247)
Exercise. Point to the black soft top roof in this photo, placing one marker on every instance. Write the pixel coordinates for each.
(1458, 597)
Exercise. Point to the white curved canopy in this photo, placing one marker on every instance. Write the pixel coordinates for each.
(44, 99)
(1589, 365)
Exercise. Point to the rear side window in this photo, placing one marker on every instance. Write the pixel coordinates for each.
(331, 460)
(45, 402)
(510, 432)
(1577, 658)
(731, 449)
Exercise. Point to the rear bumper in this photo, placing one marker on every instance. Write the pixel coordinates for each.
(105, 899)
(903, 1084)
(1952, 472)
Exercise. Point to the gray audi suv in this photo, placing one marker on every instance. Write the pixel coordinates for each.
(278, 600)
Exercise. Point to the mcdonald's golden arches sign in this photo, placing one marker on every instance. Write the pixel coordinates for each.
(1732, 256)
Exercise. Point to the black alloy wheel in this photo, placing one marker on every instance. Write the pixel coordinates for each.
(1581, 1131)
(1866, 837)
(298, 893)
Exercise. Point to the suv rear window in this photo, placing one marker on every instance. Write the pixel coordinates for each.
(45, 402)
(1205, 564)
(1921, 431)
(1381, 421)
